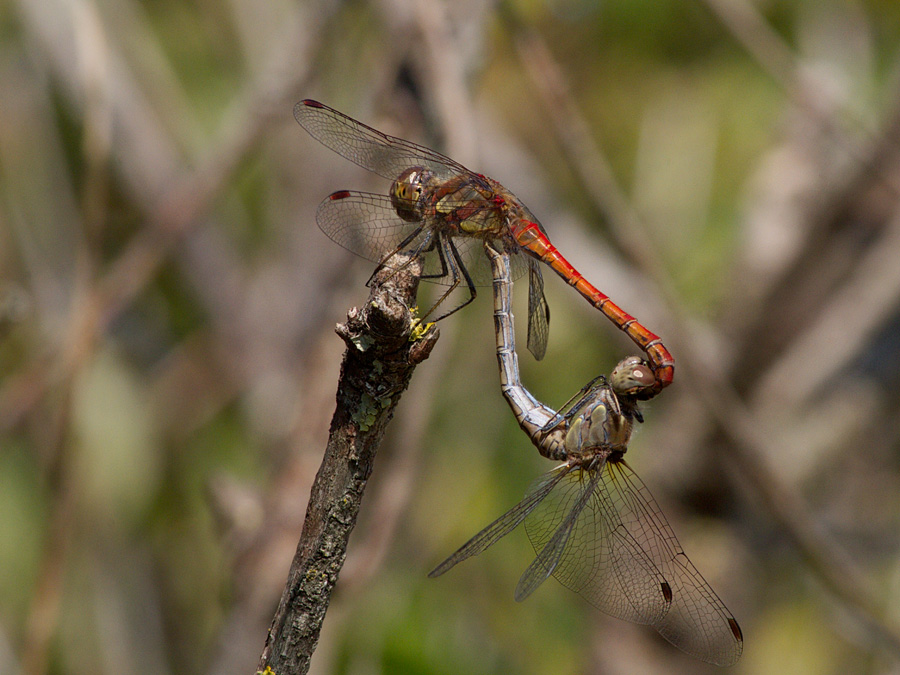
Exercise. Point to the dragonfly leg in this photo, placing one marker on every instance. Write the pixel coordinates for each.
(427, 244)
(457, 269)
(432, 244)
(573, 406)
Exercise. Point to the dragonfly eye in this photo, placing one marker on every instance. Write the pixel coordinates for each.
(405, 194)
(631, 376)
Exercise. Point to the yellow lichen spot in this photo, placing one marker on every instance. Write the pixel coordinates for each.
(419, 329)
(267, 671)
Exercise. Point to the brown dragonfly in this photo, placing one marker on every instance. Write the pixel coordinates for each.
(437, 206)
(593, 523)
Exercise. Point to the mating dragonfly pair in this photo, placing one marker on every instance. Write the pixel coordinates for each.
(593, 523)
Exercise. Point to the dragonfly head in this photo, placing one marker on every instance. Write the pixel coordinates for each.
(406, 193)
(631, 376)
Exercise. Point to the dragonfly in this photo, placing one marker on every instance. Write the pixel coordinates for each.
(592, 522)
(437, 207)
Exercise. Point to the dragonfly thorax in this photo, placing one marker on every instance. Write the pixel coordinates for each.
(406, 192)
(601, 425)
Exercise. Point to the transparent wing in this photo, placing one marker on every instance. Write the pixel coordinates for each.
(479, 266)
(366, 224)
(371, 149)
(601, 560)
(552, 552)
(538, 311)
(503, 525)
(697, 621)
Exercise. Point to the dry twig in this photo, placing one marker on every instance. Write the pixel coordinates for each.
(378, 364)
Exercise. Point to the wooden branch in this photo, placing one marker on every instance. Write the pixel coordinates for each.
(382, 352)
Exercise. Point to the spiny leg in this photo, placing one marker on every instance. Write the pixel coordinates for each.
(574, 404)
(434, 243)
(399, 249)
(456, 267)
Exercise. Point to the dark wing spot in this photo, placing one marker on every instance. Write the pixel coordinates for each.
(667, 592)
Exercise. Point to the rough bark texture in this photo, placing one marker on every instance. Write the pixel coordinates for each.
(383, 349)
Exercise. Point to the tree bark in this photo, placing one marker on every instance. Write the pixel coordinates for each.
(384, 345)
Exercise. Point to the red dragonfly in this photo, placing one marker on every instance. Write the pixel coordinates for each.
(593, 523)
(437, 206)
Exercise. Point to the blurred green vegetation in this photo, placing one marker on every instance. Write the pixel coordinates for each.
(168, 362)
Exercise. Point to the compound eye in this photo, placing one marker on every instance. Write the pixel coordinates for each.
(631, 376)
(405, 193)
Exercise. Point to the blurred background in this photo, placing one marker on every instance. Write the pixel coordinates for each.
(727, 170)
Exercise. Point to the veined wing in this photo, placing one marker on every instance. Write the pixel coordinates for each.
(366, 224)
(371, 149)
(504, 524)
(601, 560)
(363, 223)
(538, 311)
(552, 552)
(697, 621)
